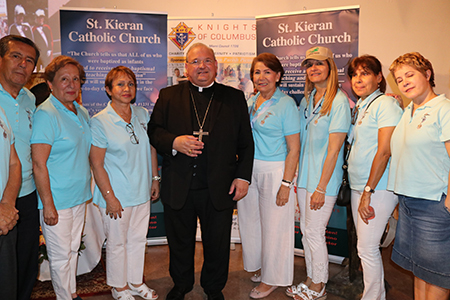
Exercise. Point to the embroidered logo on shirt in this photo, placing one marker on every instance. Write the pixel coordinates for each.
(30, 115)
(265, 117)
(317, 120)
(5, 135)
(424, 118)
(144, 125)
(362, 117)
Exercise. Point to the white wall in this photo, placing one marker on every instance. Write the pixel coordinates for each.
(388, 28)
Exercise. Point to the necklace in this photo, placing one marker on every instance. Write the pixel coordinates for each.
(200, 132)
(258, 101)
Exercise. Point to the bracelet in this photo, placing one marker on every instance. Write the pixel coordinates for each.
(157, 178)
(106, 194)
(319, 191)
(287, 181)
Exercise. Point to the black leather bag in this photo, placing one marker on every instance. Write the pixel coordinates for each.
(345, 195)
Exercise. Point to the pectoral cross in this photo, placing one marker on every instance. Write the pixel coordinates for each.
(200, 134)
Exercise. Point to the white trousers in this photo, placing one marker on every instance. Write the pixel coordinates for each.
(126, 239)
(63, 241)
(369, 236)
(313, 224)
(267, 230)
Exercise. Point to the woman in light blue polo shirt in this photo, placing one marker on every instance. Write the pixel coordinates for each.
(60, 144)
(373, 121)
(126, 174)
(325, 120)
(419, 174)
(266, 214)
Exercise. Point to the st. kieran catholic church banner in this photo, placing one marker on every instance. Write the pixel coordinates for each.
(101, 40)
(288, 36)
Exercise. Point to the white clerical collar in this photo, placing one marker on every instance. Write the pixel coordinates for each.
(200, 88)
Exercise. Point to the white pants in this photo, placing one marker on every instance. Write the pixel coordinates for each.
(267, 230)
(313, 224)
(126, 239)
(369, 236)
(63, 241)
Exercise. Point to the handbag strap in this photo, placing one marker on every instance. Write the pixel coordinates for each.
(350, 145)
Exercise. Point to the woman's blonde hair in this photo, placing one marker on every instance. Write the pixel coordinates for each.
(415, 60)
(331, 91)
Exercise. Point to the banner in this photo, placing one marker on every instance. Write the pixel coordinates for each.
(233, 41)
(101, 40)
(288, 36)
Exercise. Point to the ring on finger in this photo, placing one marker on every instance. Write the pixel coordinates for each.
(190, 151)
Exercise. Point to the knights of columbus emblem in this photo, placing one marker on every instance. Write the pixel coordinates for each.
(181, 35)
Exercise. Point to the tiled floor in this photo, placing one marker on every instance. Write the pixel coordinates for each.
(239, 284)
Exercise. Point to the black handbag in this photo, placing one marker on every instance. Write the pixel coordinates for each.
(345, 194)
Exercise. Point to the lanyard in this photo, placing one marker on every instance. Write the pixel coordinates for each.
(359, 116)
(314, 112)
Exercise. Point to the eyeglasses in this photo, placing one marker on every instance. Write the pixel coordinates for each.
(198, 62)
(133, 137)
(310, 63)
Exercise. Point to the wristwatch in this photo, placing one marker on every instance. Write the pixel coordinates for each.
(369, 189)
(287, 183)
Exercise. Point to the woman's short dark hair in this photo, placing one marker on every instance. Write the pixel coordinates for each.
(60, 62)
(269, 60)
(114, 72)
(370, 64)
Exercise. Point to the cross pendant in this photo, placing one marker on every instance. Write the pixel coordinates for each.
(200, 134)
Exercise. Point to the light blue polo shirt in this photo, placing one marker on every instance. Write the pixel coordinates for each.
(420, 163)
(314, 143)
(68, 163)
(383, 112)
(20, 112)
(6, 140)
(129, 166)
(271, 127)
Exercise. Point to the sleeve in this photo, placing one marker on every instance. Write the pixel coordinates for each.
(13, 137)
(388, 112)
(145, 114)
(444, 122)
(340, 115)
(98, 134)
(5, 120)
(291, 120)
(44, 128)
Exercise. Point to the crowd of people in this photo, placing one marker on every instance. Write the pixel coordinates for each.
(219, 149)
